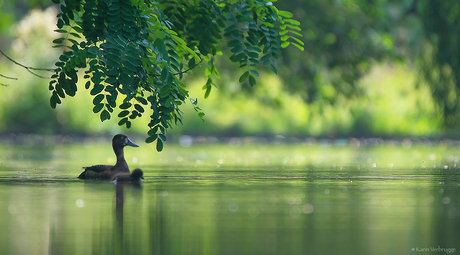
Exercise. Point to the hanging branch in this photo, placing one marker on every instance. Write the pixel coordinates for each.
(28, 68)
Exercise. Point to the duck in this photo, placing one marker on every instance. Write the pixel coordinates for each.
(134, 177)
(106, 172)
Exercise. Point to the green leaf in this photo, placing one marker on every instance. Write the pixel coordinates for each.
(237, 49)
(97, 99)
(191, 63)
(254, 72)
(142, 100)
(285, 44)
(98, 108)
(151, 139)
(60, 23)
(285, 14)
(293, 21)
(77, 29)
(274, 69)
(97, 89)
(298, 46)
(122, 121)
(159, 145)
(58, 41)
(139, 108)
(234, 43)
(208, 91)
(283, 27)
(123, 113)
(153, 131)
(284, 37)
(298, 41)
(53, 102)
(252, 81)
(125, 105)
(105, 115)
(164, 74)
(76, 35)
(244, 76)
(159, 34)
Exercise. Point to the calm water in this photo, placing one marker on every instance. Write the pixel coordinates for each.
(233, 199)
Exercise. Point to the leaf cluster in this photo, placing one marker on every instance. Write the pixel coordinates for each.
(134, 53)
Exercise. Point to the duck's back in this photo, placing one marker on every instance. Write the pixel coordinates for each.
(99, 168)
(106, 175)
(101, 172)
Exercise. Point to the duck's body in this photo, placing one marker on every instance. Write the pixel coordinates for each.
(106, 172)
(134, 177)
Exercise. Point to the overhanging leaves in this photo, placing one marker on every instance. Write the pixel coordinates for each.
(137, 50)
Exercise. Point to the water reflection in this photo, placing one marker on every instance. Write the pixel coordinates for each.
(119, 202)
(279, 208)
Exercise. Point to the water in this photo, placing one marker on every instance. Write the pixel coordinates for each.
(233, 199)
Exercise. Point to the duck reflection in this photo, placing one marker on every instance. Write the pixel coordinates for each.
(121, 180)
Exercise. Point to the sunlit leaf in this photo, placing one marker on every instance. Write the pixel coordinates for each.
(285, 14)
(298, 46)
(285, 44)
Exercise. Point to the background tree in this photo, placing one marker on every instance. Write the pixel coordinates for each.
(439, 60)
(344, 40)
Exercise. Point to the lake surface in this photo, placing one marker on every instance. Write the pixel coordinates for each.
(330, 197)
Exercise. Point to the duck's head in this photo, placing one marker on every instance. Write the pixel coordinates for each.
(137, 173)
(121, 140)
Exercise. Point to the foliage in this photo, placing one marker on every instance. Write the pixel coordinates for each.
(139, 51)
(342, 40)
(439, 61)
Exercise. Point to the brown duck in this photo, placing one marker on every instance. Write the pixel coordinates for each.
(134, 177)
(106, 172)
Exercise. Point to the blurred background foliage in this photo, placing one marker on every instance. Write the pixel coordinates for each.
(370, 68)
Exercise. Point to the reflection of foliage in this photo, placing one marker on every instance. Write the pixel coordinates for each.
(134, 49)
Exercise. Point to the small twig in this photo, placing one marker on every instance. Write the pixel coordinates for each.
(8, 77)
(29, 68)
(182, 72)
(190, 68)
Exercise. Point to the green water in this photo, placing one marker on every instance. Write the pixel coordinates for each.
(233, 199)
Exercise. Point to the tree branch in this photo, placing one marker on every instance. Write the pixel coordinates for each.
(28, 68)
(8, 77)
(182, 72)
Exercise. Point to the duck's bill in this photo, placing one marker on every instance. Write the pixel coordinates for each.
(130, 143)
